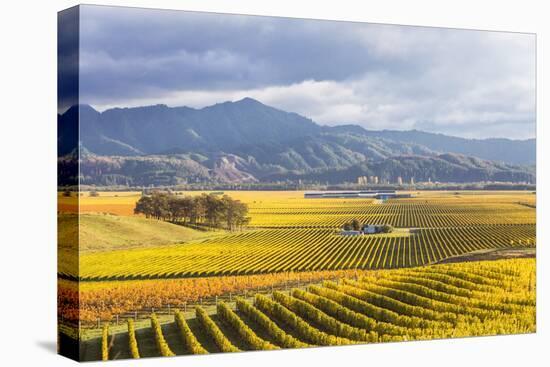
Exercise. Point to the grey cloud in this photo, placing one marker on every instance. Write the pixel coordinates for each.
(272, 50)
(380, 76)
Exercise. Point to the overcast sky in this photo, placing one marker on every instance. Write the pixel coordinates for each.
(465, 83)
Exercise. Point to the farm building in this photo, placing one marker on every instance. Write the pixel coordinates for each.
(375, 194)
(371, 229)
(366, 229)
(349, 194)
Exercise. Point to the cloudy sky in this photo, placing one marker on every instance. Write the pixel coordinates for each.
(465, 83)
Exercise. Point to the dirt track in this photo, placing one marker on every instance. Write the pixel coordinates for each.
(492, 255)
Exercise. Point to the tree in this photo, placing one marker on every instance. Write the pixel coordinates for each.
(234, 213)
(186, 208)
(161, 209)
(215, 210)
(230, 213)
(386, 228)
(241, 218)
(94, 193)
(199, 209)
(243, 221)
(209, 210)
(144, 206)
(355, 225)
(175, 209)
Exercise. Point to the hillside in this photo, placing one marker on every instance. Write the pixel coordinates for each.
(446, 167)
(101, 232)
(179, 169)
(247, 141)
(160, 129)
(505, 150)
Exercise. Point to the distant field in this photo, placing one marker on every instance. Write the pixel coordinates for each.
(442, 301)
(103, 232)
(118, 203)
(425, 209)
(275, 209)
(290, 233)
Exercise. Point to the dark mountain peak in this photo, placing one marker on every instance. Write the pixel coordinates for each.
(87, 108)
(74, 110)
(71, 113)
(158, 129)
(87, 112)
(246, 103)
(249, 101)
(232, 105)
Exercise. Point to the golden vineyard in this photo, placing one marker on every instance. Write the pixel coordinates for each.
(442, 301)
(290, 233)
(266, 251)
(292, 278)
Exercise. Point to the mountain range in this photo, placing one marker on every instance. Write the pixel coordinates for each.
(247, 141)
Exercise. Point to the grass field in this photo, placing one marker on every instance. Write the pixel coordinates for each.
(107, 232)
(441, 301)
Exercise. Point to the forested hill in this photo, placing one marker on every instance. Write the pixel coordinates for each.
(178, 169)
(247, 141)
(497, 149)
(448, 167)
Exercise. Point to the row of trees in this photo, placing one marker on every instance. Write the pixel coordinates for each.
(206, 209)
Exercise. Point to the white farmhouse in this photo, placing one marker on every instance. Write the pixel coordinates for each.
(371, 229)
